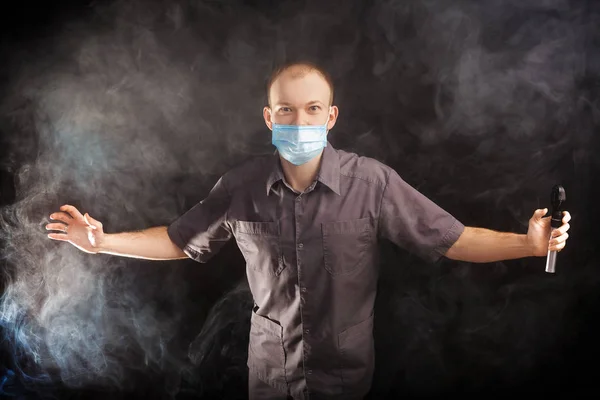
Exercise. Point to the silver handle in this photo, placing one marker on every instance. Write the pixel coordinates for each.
(551, 258)
(551, 261)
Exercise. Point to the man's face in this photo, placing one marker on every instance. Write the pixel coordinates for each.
(300, 100)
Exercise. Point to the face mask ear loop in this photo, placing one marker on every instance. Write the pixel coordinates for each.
(327, 122)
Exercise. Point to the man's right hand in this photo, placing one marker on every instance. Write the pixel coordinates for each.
(82, 231)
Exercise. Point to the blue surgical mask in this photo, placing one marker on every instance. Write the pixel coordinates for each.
(299, 143)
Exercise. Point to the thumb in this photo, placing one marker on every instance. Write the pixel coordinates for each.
(539, 214)
(92, 222)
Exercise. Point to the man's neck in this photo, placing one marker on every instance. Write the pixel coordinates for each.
(302, 176)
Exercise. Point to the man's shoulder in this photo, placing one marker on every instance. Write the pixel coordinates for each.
(369, 169)
(255, 168)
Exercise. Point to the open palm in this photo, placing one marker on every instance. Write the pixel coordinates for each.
(82, 231)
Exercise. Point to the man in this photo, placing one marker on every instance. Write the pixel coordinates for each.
(307, 221)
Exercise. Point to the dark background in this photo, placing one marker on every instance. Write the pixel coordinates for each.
(131, 111)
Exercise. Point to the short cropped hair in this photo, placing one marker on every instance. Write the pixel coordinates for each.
(306, 67)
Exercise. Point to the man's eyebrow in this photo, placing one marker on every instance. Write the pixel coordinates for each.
(284, 103)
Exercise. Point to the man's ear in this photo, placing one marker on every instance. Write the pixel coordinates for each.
(267, 117)
(333, 115)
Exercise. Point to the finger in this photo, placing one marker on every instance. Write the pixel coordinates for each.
(58, 236)
(560, 231)
(72, 211)
(539, 213)
(567, 216)
(56, 227)
(557, 247)
(61, 216)
(560, 239)
(92, 222)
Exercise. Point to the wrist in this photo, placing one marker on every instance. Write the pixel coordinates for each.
(105, 244)
(529, 248)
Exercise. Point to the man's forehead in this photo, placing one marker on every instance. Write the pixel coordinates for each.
(300, 76)
(300, 85)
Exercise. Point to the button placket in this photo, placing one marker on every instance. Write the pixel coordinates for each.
(305, 316)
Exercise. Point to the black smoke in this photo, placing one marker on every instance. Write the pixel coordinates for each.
(131, 110)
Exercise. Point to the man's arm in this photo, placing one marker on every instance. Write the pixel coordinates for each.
(413, 222)
(87, 234)
(149, 244)
(481, 245)
(198, 234)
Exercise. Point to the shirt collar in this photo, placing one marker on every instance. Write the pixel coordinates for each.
(329, 172)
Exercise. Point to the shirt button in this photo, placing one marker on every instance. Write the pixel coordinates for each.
(300, 245)
(307, 331)
(310, 371)
(303, 290)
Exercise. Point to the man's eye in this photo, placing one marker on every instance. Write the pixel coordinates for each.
(315, 108)
(285, 109)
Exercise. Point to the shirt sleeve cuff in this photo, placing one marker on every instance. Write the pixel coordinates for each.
(175, 237)
(448, 240)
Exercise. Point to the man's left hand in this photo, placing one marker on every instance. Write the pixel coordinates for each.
(538, 234)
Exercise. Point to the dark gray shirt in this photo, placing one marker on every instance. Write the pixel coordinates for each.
(312, 261)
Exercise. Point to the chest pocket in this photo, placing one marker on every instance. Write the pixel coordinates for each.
(347, 245)
(259, 244)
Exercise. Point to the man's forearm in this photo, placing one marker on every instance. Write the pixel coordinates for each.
(480, 245)
(149, 244)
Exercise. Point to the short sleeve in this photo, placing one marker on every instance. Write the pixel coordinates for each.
(415, 223)
(203, 230)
